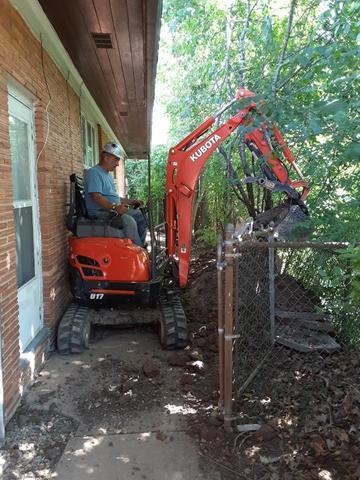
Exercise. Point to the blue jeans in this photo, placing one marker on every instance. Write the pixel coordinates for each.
(132, 223)
(140, 220)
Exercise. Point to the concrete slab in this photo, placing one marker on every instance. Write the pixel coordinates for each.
(145, 421)
(144, 456)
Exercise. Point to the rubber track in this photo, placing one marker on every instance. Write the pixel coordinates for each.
(174, 322)
(70, 331)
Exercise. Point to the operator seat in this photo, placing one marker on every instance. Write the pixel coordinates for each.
(78, 220)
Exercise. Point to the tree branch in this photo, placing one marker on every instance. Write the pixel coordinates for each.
(227, 54)
(284, 47)
(239, 190)
(242, 42)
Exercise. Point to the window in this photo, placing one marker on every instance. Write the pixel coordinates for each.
(89, 142)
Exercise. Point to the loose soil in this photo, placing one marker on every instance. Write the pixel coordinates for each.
(306, 405)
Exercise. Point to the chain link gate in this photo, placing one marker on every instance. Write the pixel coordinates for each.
(274, 299)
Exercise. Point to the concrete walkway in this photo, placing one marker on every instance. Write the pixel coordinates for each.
(149, 443)
(129, 425)
(135, 456)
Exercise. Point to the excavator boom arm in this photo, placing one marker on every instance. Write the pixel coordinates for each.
(187, 159)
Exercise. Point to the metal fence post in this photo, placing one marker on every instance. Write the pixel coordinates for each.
(220, 287)
(228, 323)
(272, 286)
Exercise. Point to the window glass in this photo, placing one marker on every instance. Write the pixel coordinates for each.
(25, 265)
(20, 159)
(89, 143)
(83, 137)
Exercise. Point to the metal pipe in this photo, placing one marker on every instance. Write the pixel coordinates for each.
(151, 225)
(289, 245)
(297, 170)
(220, 287)
(272, 287)
(225, 107)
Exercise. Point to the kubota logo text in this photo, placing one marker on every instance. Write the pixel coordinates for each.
(204, 148)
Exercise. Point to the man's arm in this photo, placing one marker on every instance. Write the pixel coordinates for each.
(104, 203)
(132, 202)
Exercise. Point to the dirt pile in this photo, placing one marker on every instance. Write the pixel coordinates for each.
(306, 407)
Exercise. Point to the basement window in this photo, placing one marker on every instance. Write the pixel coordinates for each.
(89, 142)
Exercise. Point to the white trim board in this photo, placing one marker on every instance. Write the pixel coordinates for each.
(40, 26)
(2, 419)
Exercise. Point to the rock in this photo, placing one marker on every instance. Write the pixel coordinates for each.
(186, 388)
(161, 436)
(200, 341)
(186, 379)
(318, 445)
(208, 433)
(265, 433)
(22, 420)
(195, 355)
(196, 366)
(53, 453)
(213, 347)
(34, 418)
(213, 338)
(212, 327)
(202, 331)
(52, 407)
(10, 476)
(150, 370)
(215, 420)
(178, 359)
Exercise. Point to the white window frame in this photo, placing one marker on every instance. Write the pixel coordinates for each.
(90, 147)
(21, 95)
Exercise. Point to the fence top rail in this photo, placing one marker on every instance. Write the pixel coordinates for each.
(290, 245)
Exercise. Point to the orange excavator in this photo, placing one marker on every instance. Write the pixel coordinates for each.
(187, 159)
(107, 270)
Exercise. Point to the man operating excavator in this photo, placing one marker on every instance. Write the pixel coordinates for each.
(103, 202)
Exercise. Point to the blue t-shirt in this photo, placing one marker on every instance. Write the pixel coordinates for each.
(97, 180)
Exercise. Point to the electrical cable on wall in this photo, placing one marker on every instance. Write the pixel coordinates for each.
(47, 105)
(69, 121)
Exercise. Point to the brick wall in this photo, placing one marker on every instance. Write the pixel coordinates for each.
(21, 58)
(102, 138)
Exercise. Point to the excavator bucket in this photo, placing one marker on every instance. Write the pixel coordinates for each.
(289, 222)
(295, 225)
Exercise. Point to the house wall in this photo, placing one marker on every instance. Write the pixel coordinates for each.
(23, 59)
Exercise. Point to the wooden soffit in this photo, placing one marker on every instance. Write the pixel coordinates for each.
(114, 45)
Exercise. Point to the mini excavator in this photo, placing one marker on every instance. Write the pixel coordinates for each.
(108, 271)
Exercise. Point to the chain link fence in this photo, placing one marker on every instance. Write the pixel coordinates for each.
(285, 320)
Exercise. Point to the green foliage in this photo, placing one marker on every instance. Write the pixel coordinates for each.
(332, 276)
(352, 257)
(316, 103)
(138, 179)
(309, 81)
(206, 236)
